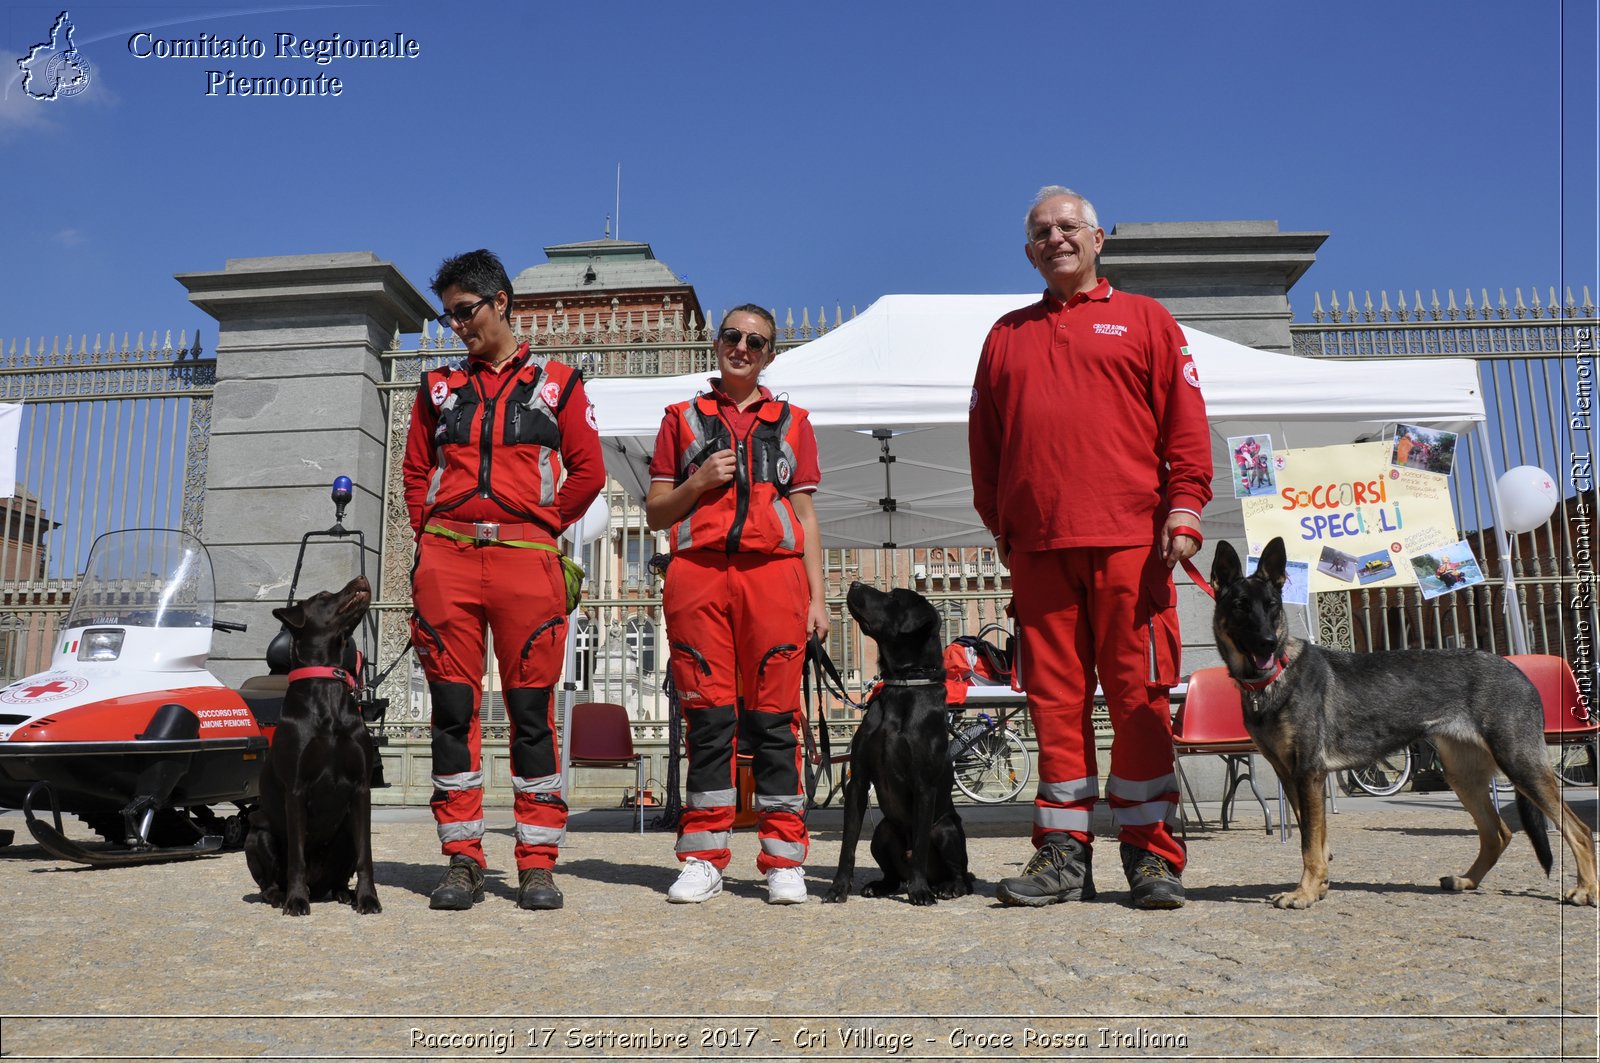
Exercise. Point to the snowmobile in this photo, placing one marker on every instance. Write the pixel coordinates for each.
(128, 730)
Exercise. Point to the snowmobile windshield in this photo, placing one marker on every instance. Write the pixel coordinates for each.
(145, 578)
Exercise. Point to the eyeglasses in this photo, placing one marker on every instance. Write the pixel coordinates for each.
(754, 342)
(1042, 233)
(462, 314)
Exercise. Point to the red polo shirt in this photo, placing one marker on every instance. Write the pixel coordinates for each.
(1087, 424)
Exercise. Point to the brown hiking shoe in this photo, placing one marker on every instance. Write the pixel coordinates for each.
(536, 890)
(461, 887)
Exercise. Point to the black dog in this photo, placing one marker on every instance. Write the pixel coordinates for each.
(902, 749)
(1312, 711)
(314, 825)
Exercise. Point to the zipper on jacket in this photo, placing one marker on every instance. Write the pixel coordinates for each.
(485, 445)
(741, 493)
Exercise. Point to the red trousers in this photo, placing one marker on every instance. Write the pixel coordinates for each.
(736, 625)
(459, 590)
(1106, 613)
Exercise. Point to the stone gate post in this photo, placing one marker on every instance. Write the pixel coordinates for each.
(296, 404)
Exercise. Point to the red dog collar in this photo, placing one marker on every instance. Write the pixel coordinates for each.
(326, 673)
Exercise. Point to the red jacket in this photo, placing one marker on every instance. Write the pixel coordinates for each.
(509, 446)
(776, 455)
(1087, 424)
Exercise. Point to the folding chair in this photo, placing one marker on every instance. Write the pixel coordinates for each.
(1211, 722)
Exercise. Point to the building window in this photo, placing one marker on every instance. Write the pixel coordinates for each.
(640, 638)
(636, 555)
(583, 641)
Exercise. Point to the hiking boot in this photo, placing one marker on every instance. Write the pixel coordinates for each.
(461, 887)
(786, 885)
(537, 890)
(698, 881)
(1154, 882)
(1062, 869)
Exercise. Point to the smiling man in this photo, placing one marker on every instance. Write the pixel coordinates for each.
(1091, 461)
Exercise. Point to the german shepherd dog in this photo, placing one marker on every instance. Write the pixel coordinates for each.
(902, 750)
(313, 828)
(1312, 710)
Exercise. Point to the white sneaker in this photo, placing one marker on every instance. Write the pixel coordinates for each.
(698, 881)
(786, 885)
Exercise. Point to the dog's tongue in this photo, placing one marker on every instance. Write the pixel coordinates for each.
(1263, 662)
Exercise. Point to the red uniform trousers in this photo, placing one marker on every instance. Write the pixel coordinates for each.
(458, 590)
(736, 625)
(1106, 611)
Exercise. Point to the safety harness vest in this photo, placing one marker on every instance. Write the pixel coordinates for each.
(752, 513)
(503, 445)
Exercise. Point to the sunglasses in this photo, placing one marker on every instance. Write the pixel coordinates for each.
(461, 314)
(754, 342)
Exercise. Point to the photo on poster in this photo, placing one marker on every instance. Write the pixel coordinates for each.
(1450, 569)
(1429, 449)
(1252, 466)
(1296, 579)
(1338, 564)
(1375, 567)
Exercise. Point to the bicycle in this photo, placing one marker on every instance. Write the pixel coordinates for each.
(1574, 762)
(990, 760)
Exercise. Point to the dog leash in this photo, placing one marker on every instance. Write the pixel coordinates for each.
(1199, 580)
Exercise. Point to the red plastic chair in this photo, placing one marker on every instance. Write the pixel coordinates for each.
(1567, 719)
(601, 737)
(1211, 722)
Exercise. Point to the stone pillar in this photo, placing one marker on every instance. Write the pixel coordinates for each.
(296, 404)
(1228, 278)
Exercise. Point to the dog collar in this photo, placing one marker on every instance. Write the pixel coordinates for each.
(879, 684)
(325, 673)
(1258, 685)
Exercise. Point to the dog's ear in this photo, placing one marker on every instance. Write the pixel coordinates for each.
(1274, 562)
(291, 616)
(1225, 568)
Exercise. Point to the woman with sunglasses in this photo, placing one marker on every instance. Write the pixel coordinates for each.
(732, 476)
(502, 455)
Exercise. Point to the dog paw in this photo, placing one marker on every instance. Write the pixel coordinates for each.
(297, 906)
(836, 894)
(922, 898)
(1456, 884)
(947, 891)
(1295, 899)
(880, 888)
(367, 905)
(1581, 895)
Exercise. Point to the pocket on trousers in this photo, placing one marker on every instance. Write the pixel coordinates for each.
(1163, 648)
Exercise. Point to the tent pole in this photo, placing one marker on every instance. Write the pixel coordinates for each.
(1516, 623)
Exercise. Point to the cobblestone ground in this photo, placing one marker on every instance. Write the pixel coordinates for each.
(183, 960)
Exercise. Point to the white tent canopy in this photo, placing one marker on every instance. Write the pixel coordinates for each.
(895, 383)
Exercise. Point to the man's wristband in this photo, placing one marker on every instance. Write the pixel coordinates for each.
(1193, 533)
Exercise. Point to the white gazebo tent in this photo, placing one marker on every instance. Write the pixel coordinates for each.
(888, 394)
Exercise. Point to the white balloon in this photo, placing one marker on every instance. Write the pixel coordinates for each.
(1528, 495)
(594, 523)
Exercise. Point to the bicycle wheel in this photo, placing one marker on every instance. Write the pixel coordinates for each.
(1574, 764)
(993, 768)
(1383, 777)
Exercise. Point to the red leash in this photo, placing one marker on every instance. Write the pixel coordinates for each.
(1199, 580)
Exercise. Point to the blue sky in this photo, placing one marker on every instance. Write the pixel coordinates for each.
(801, 154)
